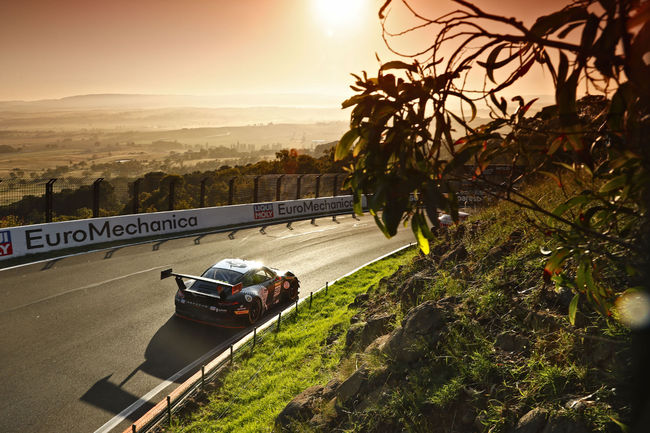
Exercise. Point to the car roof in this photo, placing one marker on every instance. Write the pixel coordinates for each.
(238, 265)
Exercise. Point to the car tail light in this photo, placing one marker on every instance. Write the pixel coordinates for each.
(180, 295)
(236, 288)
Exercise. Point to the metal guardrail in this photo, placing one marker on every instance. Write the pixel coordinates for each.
(164, 410)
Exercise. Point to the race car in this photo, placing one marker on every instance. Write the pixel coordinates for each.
(232, 293)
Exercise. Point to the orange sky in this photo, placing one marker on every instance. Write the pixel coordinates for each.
(57, 48)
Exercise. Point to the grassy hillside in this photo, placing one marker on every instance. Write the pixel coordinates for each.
(467, 339)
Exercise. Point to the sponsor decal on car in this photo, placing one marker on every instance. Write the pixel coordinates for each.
(263, 211)
(286, 284)
(6, 248)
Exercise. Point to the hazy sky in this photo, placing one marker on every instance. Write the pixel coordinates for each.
(57, 48)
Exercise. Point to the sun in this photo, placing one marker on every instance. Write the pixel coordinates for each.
(337, 14)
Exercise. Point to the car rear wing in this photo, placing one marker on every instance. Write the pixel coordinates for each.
(179, 279)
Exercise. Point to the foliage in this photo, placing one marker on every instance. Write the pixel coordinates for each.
(406, 137)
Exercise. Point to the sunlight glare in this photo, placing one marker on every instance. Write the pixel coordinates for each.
(338, 13)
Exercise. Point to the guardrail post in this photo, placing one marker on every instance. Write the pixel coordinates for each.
(335, 184)
(327, 284)
(254, 336)
(231, 355)
(133, 428)
(172, 190)
(136, 195)
(169, 410)
(311, 296)
(202, 199)
(203, 376)
(296, 307)
(278, 187)
(298, 184)
(231, 191)
(318, 185)
(49, 199)
(256, 188)
(96, 185)
(277, 328)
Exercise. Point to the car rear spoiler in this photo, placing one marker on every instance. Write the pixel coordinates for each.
(179, 279)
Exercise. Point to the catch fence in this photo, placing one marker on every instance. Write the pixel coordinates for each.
(33, 201)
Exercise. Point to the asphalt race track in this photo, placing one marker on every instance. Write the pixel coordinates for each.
(84, 337)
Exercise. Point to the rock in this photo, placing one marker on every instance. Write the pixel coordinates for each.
(413, 290)
(511, 342)
(330, 389)
(348, 390)
(378, 344)
(355, 319)
(361, 334)
(456, 255)
(564, 424)
(301, 407)
(354, 335)
(533, 422)
(360, 300)
(425, 320)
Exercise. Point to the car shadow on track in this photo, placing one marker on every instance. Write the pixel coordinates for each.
(175, 345)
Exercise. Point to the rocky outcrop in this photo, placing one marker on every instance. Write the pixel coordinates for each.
(361, 334)
(424, 321)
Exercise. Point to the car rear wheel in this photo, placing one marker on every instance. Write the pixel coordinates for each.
(254, 311)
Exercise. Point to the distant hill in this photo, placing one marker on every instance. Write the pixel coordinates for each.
(137, 101)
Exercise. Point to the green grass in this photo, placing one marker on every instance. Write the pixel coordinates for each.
(251, 394)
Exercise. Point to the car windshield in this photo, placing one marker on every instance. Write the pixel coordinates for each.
(226, 275)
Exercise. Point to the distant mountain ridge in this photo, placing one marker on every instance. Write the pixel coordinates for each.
(144, 101)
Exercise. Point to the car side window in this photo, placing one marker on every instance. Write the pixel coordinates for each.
(269, 274)
(248, 280)
(260, 276)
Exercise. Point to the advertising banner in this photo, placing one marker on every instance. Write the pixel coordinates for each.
(40, 238)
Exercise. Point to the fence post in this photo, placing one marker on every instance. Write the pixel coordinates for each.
(278, 187)
(96, 184)
(277, 329)
(254, 336)
(335, 185)
(231, 191)
(49, 199)
(172, 190)
(169, 410)
(136, 195)
(311, 296)
(256, 188)
(202, 200)
(298, 182)
(318, 185)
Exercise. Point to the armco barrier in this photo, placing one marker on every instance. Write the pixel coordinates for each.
(41, 238)
(166, 407)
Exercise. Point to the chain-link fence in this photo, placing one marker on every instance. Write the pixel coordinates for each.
(32, 201)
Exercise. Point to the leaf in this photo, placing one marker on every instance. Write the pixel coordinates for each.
(383, 8)
(552, 176)
(555, 145)
(572, 202)
(550, 23)
(397, 64)
(554, 263)
(613, 184)
(573, 308)
(416, 226)
(489, 63)
(344, 144)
